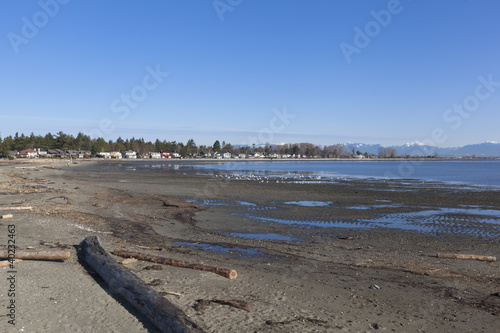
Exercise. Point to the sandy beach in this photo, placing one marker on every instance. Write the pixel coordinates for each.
(300, 268)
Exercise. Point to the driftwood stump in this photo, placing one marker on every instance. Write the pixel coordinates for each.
(164, 315)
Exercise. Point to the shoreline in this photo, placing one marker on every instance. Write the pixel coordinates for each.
(260, 159)
(313, 278)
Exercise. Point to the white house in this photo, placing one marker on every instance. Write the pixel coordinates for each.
(129, 154)
(226, 155)
(104, 154)
(155, 155)
(28, 153)
(41, 152)
(115, 154)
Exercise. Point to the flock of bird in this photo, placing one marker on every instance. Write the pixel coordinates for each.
(290, 178)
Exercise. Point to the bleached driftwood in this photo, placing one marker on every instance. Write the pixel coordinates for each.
(163, 293)
(7, 263)
(128, 261)
(225, 272)
(6, 216)
(16, 208)
(164, 315)
(38, 255)
(465, 256)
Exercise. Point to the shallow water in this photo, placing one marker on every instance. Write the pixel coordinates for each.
(374, 206)
(475, 222)
(359, 224)
(481, 173)
(309, 203)
(477, 174)
(218, 248)
(483, 223)
(264, 236)
(467, 220)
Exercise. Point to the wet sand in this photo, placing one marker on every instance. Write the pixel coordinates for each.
(326, 265)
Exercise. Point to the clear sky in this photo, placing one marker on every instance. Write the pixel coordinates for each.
(250, 71)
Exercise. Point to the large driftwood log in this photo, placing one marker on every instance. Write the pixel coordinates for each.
(164, 315)
(225, 272)
(38, 255)
(465, 256)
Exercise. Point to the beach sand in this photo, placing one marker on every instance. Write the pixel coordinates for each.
(321, 270)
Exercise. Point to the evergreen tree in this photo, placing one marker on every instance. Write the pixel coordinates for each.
(216, 147)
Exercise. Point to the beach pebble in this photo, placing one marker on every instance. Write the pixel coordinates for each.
(374, 286)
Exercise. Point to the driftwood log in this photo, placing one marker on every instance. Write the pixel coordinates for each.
(6, 216)
(16, 208)
(225, 272)
(465, 256)
(164, 315)
(38, 255)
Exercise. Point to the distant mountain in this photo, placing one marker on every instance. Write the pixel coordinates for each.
(485, 149)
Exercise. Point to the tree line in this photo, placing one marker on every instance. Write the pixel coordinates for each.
(82, 142)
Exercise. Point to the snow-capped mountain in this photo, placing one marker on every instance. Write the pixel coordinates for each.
(485, 149)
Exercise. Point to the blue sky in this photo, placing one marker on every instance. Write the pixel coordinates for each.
(250, 71)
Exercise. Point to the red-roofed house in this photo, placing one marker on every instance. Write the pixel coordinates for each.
(27, 153)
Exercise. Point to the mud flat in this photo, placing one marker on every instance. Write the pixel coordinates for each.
(354, 256)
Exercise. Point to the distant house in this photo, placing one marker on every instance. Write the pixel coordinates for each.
(205, 154)
(27, 153)
(129, 154)
(226, 155)
(72, 153)
(115, 154)
(105, 154)
(256, 155)
(77, 153)
(165, 155)
(56, 153)
(41, 152)
(155, 155)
